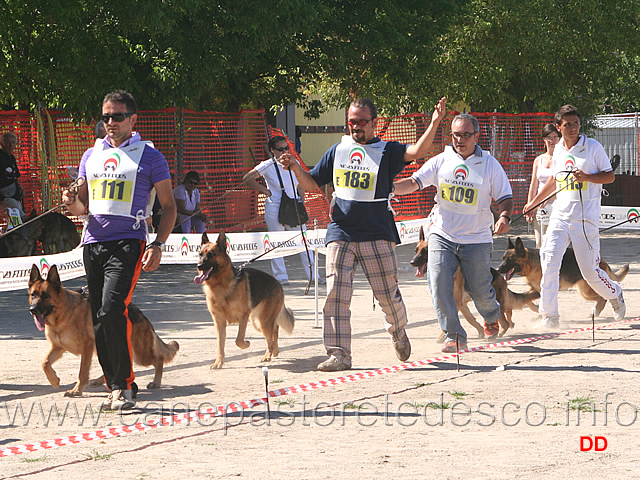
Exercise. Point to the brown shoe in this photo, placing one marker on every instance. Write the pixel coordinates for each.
(402, 346)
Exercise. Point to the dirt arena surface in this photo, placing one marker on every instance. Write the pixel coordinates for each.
(514, 411)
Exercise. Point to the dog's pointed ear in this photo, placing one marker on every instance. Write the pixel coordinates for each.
(510, 245)
(53, 277)
(205, 238)
(35, 275)
(520, 248)
(222, 241)
(421, 234)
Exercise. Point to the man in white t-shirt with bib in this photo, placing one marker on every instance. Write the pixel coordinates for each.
(580, 167)
(468, 179)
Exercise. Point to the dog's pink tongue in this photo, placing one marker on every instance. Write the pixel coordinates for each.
(508, 275)
(199, 279)
(39, 321)
(421, 271)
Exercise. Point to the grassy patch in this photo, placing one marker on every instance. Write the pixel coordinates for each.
(582, 404)
(439, 406)
(34, 460)
(458, 395)
(99, 456)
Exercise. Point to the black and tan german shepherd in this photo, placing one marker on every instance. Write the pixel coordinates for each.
(235, 295)
(55, 232)
(520, 260)
(65, 317)
(507, 299)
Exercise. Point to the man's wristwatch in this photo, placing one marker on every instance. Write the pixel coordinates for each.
(155, 243)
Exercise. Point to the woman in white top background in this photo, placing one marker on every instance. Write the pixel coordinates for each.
(540, 174)
(267, 170)
(187, 198)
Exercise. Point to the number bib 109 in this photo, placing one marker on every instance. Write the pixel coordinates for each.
(460, 183)
(465, 196)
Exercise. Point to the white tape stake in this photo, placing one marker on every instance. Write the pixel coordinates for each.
(265, 372)
(593, 324)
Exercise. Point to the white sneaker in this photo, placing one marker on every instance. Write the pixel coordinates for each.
(619, 307)
(550, 321)
(122, 400)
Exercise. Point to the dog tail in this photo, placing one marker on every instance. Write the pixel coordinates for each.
(167, 350)
(286, 319)
(521, 300)
(620, 274)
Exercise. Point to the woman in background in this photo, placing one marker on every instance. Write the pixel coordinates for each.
(187, 198)
(539, 176)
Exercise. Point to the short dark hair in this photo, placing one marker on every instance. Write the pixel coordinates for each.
(121, 96)
(366, 103)
(192, 175)
(565, 110)
(274, 140)
(548, 129)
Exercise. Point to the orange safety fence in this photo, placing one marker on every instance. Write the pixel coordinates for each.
(514, 139)
(222, 147)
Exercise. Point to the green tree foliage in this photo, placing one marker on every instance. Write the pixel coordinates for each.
(225, 55)
(517, 56)
(222, 55)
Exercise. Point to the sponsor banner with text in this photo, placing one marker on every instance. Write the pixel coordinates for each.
(242, 247)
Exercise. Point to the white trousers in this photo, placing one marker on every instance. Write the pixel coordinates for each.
(587, 251)
(277, 264)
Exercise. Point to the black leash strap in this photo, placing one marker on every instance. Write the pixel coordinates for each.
(73, 187)
(632, 219)
(568, 172)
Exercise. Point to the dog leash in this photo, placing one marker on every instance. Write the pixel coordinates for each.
(268, 251)
(632, 219)
(568, 172)
(72, 187)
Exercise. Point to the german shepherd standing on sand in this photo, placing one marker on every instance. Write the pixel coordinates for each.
(235, 295)
(65, 317)
(507, 299)
(519, 260)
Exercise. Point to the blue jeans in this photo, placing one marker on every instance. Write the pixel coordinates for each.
(474, 260)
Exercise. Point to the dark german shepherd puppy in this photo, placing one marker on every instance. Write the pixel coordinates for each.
(519, 260)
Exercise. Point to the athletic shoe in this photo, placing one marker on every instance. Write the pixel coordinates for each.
(619, 307)
(491, 330)
(122, 400)
(450, 347)
(402, 345)
(332, 364)
(550, 321)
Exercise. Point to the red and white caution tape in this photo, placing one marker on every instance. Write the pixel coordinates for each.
(186, 418)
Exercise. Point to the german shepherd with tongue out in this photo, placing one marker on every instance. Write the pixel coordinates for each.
(235, 295)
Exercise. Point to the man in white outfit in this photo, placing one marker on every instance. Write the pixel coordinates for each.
(580, 168)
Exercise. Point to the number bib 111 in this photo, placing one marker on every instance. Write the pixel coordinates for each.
(111, 175)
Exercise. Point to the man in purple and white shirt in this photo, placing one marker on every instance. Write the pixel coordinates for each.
(121, 173)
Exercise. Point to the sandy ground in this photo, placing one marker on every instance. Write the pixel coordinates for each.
(509, 412)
